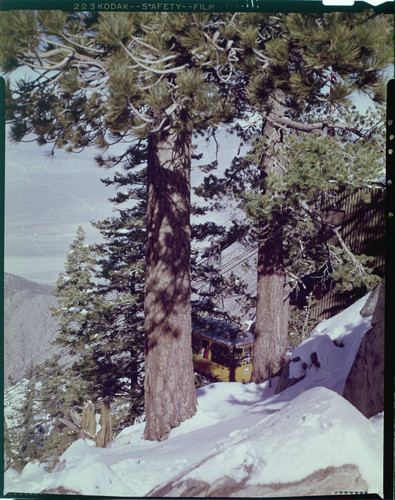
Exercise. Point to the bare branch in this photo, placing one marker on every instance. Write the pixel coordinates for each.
(151, 70)
(58, 44)
(144, 44)
(314, 215)
(142, 116)
(356, 263)
(295, 278)
(50, 53)
(312, 127)
(91, 49)
(358, 266)
(52, 67)
(261, 57)
(159, 127)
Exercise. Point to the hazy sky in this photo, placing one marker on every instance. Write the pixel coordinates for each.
(46, 199)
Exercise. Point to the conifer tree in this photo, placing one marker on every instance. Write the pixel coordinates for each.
(100, 315)
(27, 439)
(120, 273)
(72, 291)
(60, 393)
(9, 446)
(163, 78)
(298, 72)
(108, 78)
(299, 57)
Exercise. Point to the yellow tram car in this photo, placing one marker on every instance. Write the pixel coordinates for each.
(222, 351)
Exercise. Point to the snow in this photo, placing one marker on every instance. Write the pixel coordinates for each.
(347, 329)
(243, 431)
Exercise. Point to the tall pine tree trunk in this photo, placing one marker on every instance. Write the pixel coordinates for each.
(271, 324)
(170, 396)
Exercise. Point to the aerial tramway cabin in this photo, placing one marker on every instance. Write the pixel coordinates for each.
(222, 351)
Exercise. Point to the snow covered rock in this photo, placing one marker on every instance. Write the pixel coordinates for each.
(323, 482)
(371, 304)
(364, 387)
(317, 444)
(59, 491)
(326, 357)
(244, 440)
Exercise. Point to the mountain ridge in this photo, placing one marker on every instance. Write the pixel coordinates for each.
(29, 326)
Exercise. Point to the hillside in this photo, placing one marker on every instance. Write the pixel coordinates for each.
(244, 440)
(28, 325)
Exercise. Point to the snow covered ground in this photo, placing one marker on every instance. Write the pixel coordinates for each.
(239, 430)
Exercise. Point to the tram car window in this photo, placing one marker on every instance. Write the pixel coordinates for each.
(195, 343)
(222, 350)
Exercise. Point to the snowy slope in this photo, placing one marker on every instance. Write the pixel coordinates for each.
(243, 431)
(29, 326)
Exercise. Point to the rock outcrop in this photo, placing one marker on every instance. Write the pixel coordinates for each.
(286, 380)
(60, 491)
(329, 481)
(364, 386)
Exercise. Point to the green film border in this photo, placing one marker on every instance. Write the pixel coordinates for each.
(2, 222)
(302, 6)
(191, 6)
(389, 422)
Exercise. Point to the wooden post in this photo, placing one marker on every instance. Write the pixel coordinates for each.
(86, 425)
(104, 435)
(88, 421)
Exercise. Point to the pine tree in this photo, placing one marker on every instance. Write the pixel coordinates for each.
(163, 78)
(9, 443)
(73, 289)
(26, 439)
(60, 393)
(107, 78)
(100, 314)
(298, 69)
(120, 274)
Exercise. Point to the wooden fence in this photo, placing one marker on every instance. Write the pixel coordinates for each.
(363, 230)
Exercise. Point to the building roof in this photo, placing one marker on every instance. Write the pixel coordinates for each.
(224, 332)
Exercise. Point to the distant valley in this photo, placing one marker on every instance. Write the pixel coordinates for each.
(28, 326)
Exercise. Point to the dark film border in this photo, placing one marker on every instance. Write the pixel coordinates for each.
(302, 6)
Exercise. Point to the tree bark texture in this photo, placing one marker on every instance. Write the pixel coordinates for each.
(271, 324)
(170, 396)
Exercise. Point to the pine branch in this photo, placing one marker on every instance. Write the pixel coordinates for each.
(262, 58)
(356, 263)
(141, 64)
(312, 127)
(52, 67)
(314, 215)
(142, 116)
(144, 44)
(295, 278)
(84, 47)
(358, 266)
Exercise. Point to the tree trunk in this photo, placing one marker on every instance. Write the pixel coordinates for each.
(271, 324)
(170, 396)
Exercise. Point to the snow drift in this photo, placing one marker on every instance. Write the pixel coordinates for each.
(243, 432)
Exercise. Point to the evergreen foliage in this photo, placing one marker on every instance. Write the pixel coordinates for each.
(104, 319)
(317, 170)
(101, 328)
(108, 78)
(24, 433)
(60, 392)
(299, 71)
(72, 291)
